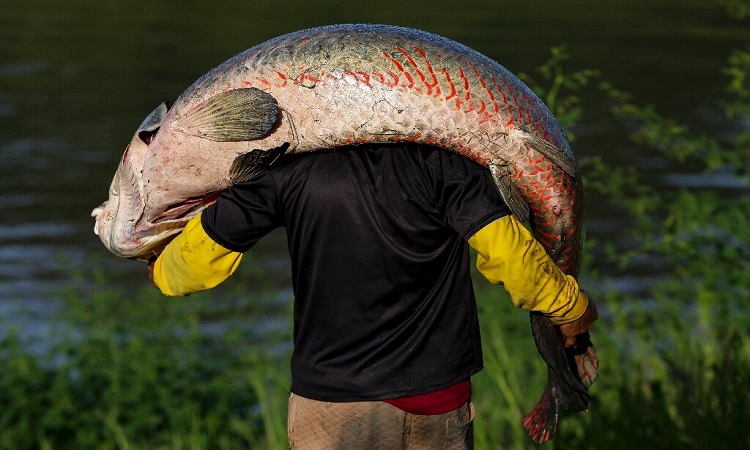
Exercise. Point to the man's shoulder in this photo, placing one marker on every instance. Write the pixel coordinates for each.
(408, 159)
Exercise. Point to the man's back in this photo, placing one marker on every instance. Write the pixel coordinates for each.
(384, 308)
(384, 305)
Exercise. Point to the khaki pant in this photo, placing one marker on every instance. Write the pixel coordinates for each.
(316, 425)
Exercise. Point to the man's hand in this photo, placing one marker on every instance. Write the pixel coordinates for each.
(579, 326)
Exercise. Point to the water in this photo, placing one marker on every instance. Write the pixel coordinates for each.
(77, 77)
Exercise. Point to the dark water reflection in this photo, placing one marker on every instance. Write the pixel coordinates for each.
(77, 77)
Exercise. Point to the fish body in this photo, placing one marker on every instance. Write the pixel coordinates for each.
(344, 85)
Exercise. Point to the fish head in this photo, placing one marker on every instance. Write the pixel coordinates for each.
(176, 164)
(125, 221)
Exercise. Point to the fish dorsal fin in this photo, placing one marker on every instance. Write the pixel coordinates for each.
(509, 192)
(238, 115)
(554, 154)
(254, 163)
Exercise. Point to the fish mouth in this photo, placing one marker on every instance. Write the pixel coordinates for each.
(158, 232)
(96, 213)
(142, 238)
(186, 209)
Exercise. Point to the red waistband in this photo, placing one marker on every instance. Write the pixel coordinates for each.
(438, 402)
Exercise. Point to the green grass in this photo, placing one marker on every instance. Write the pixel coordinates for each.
(152, 378)
(145, 378)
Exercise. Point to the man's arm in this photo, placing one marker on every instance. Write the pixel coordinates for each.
(509, 254)
(192, 262)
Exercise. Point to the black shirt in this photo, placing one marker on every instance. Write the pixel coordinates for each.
(384, 305)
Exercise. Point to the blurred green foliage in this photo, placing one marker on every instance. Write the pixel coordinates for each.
(141, 371)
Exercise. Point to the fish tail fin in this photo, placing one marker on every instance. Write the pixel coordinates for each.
(541, 422)
(583, 360)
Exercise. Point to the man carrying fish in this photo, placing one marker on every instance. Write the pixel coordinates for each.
(386, 335)
(386, 152)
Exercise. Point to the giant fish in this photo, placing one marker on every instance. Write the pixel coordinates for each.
(343, 85)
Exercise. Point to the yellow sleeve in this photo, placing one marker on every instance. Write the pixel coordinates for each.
(509, 254)
(193, 262)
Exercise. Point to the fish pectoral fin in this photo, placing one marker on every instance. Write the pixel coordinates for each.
(554, 154)
(509, 192)
(250, 165)
(243, 114)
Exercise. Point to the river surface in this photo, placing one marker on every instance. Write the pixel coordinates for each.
(77, 77)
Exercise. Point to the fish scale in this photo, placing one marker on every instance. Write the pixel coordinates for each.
(340, 85)
(418, 64)
(472, 100)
